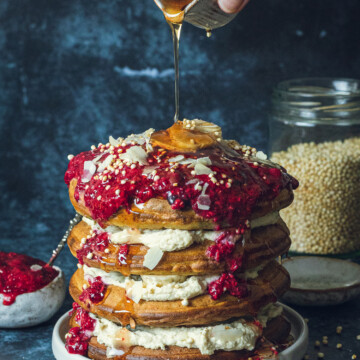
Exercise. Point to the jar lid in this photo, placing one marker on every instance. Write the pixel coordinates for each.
(312, 101)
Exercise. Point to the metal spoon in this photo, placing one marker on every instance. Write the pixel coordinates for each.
(62, 242)
(206, 14)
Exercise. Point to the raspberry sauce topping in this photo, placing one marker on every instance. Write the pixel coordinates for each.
(123, 251)
(227, 282)
(95, 292)
(77, 339)
(223, 249)
(21, 274)
(221, 182)
(96, 244)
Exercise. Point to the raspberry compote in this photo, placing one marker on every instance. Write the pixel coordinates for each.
(95, 292)
(227, 282)
(217, 182)
(77, 339)
(21, 274)
(95, 245)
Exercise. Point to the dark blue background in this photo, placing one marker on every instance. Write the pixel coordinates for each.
(74, 72)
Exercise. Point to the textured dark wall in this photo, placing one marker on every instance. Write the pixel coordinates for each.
(74, 72)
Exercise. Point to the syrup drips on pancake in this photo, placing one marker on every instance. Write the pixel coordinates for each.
(98, 248)
(124, 308)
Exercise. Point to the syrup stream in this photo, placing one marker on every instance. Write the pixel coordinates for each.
(176, 32)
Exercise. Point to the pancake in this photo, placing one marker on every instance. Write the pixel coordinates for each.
(160, 180)
(179, 236)
(158, 214)
(272, 281)
(265, 244)
(276, 332)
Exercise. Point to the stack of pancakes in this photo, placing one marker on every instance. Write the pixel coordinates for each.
(177, 248)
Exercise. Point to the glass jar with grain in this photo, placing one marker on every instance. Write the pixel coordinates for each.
(315, 135)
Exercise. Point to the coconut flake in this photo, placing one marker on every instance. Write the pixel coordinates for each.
(89, 171)
(139, 205)
(204, 188)
(192, 181)
(149, 169)
(136, 138)
(147, 135)
(135, 291)
(203, 207)
(105, 163)
(135, 154)
(140, 139)
(204, 161)
(149, 148)
(176, 158)
(193, 162)
(95, 160)
(190, 162)
(201, 169)
(204, 202)
(113, 141)
(153, 257)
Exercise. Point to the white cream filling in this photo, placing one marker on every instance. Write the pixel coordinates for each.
(237, 335)
(171, 239)
(153, 287)
(160, 288)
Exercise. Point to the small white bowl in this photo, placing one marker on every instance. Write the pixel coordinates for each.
(34, 308)
(320, 281)
(296, 351)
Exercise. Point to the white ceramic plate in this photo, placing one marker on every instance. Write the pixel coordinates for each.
(319, 281)
(296, 351)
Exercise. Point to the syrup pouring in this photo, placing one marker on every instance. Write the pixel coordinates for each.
(205, 14)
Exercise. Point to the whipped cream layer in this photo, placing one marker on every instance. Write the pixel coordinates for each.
(237, 335)
(159, 288)
(171, 239)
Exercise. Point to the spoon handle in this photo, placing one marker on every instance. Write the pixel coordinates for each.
(62, 242)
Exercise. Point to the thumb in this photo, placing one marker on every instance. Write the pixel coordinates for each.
(232, 6)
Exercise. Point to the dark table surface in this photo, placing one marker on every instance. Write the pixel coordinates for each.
(74, 72)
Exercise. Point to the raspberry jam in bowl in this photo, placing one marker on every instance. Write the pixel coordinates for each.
(30, 290)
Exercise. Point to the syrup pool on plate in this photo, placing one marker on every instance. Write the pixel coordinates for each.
(21, 274)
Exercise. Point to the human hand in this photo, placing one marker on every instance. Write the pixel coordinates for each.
(232, 6)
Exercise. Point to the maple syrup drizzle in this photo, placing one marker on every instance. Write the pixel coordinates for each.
(176, 32)
(124, 308)
(174, 13)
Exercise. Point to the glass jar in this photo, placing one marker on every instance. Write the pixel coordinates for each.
(315, 135)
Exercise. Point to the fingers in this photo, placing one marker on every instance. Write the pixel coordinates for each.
(232, 6)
